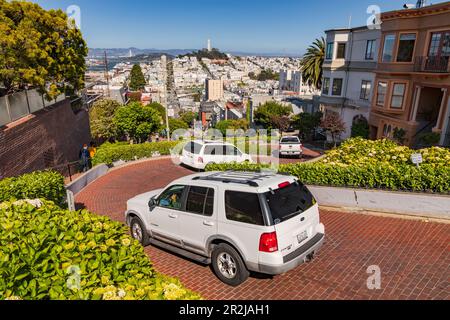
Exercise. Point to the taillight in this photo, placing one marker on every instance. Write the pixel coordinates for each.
(284, 185)
(268, 242)
(200, 159)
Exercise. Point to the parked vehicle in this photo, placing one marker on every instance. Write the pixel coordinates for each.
(291, 146)
(236, 221)
(198, 154)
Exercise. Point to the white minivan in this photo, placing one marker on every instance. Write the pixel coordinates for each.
(236, 221)
(198, 154)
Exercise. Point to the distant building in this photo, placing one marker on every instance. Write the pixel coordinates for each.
(292, 80)
(348, 73)
(209, 45)
(214, 90)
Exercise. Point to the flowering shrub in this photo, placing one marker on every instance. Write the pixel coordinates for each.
(368, 164)
(50, 253)
(45, 184)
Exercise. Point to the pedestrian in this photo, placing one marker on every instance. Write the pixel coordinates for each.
(157, 137)
(92, 152)
(84, 158)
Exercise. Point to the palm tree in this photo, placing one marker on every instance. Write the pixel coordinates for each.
(311, 63)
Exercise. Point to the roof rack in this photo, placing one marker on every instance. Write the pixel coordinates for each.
(248, 178)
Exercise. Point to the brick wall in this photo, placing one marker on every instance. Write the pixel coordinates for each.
(48, 138)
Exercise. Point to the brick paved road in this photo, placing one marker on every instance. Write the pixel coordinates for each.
(414, 256)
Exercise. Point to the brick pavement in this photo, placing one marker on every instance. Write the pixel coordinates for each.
(414, 256)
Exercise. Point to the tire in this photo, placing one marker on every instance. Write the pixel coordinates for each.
(232, 275)
(138, 231)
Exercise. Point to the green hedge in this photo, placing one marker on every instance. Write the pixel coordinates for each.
(109, 153)
(50, 253)
(362, 163)
(47, 184)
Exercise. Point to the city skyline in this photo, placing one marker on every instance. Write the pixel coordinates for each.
(285, 27)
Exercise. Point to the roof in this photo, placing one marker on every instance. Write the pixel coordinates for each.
(417, 12)
(347, 29)
(262, 181)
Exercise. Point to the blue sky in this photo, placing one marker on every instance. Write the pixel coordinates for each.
(261, 26)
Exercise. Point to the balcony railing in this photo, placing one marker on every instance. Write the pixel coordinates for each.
(432, 64)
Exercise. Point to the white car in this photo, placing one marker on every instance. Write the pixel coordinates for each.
(198, 154)
(291, 146)
(236, 221)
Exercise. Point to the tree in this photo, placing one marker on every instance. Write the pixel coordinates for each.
(137, 79)
(333, 124)
(40, 48)
(225, 125)
(188, 117)
(360, 128)
(307, 122)
(101, 117)
(311, 63)
(136, 121)
(175, 124)
(281, 123)
(264, 113)
(160, 109)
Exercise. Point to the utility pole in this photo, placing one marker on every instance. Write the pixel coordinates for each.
(107, 75)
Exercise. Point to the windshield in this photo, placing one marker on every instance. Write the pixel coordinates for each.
(290, 140)
(193, 147)
(288, 202)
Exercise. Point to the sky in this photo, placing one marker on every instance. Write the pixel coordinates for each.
(254, 26)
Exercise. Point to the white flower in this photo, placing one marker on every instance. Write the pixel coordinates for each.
(121, 293)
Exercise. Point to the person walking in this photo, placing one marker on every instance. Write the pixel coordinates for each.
(92, 151)
(84, 158)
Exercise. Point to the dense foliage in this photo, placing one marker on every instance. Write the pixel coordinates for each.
(175, 124)
(101, 117)
(159, 108)
(137, 79)
(306, 123)
(264, 75)
(40, 48)
(214, 54)
(136, 121)
(50, 253)
(265, 113)
(225, 125)
(362, 163)
(46, 184)
(188, 117)
(109, 153)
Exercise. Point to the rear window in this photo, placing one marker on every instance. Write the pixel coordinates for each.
(290, 140)
(288, 202)
(243, 207)
(193, 147)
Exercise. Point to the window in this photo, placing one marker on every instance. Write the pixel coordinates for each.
(243, 207)
(232, 151)
(172, 198)
(370, 49)
(381, 93)
(200, 200)
(365, 90)
(388, 48)
(406, 47)
(193, 147)
(340, 51)
(329, 54)
(289, 202)
(398, 95)
(337, 87)
(326, 86)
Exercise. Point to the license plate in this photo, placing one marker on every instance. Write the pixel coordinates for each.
(302, 236)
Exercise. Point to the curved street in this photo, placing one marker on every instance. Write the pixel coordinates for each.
(413, 255)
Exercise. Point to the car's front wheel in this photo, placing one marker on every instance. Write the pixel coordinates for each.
(138, 231)
(228, 265)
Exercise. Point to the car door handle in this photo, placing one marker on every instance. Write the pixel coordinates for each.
(173, 216)
(208, 223)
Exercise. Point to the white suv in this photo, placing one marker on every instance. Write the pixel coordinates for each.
(198, 154)
(236, 221)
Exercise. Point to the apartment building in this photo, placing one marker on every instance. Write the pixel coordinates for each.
(214, 89)
(412, 79)
(348, 73)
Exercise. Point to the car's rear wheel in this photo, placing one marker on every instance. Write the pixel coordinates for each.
(228, 265)
(138, 231)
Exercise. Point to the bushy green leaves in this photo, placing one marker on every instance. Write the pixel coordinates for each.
(362, 163)
(50, 253)
(47, 184)
(101, 117)
(109, 153)
(137, 79)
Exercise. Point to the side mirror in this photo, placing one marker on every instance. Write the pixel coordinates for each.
(152, 204)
